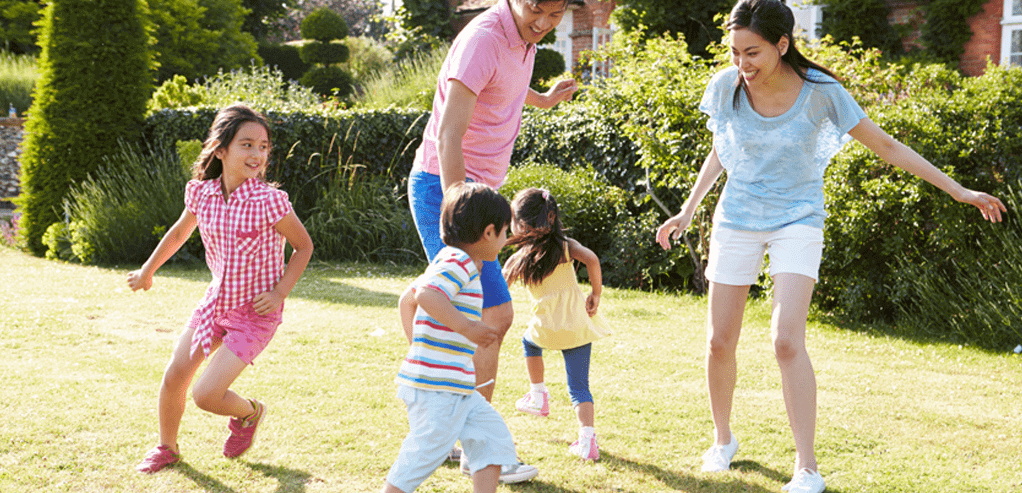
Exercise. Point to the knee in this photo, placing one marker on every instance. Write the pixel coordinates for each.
(721, 345)
(204, 400)
(786, 349)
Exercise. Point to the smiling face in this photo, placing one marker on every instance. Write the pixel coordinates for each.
(758, 60)
(536, 19)
(246, 156)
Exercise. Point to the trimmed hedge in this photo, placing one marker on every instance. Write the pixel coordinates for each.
(91, 94)
(309, 145)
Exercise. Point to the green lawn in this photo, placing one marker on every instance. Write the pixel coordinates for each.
(81, 358)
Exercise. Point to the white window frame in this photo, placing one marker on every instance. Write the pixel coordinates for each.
(564, 44)
(807, 18)
(1011, 23)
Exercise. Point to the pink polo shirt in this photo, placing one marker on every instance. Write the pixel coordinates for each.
(490, 57)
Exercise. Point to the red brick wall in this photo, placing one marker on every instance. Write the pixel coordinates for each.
(986, 39)
(595, 13)
(986, 32)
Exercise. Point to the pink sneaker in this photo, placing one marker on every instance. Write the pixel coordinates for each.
(159, 457)
(534, 406)
(243, 431)
(587, 449)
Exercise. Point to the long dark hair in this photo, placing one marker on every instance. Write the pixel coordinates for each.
(225, 126)
(772, 20)
(540, 240)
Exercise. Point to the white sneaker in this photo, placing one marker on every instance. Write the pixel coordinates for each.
(718, 458)
(806, 481)
(509, 473)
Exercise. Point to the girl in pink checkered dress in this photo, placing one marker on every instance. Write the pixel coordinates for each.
(243, 222)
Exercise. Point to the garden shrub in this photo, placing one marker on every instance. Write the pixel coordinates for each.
(636, 261)
(882, 220)
(865, 19)
(976, 302)
(285, 58)
(17, 18)
(308, 145)
(198, 38)
(368, 57)
(18, 75)
(262, 88)
(548, 64)
(325, 28)
(589, 205)
(92, 91)
(120, 213)
(362, 217)
(411, 83)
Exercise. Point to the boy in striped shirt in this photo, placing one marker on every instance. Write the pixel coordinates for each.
(441, 314)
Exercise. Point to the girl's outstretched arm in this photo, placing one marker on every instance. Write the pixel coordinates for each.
(677, 224)
(170, 244)
(900, 155)
(293, 230)
(592, 263)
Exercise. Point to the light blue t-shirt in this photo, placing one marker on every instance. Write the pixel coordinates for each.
(775, 165)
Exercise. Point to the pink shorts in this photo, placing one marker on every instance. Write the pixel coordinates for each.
(243, 331)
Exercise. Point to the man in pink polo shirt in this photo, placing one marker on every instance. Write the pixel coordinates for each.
(477, 111)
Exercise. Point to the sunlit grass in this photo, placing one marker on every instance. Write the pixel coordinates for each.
(82, 359)
(17, 79)
(410, 83)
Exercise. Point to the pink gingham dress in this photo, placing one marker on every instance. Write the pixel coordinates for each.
(244, 252)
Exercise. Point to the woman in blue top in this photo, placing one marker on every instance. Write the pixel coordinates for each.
(777, 120)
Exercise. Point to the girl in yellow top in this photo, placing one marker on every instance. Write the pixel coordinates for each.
(562, 318)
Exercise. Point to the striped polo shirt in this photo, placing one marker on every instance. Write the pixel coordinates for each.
(440, 359)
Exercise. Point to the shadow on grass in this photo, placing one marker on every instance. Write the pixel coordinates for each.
(203, 480)
(310, 286)
(288, 480)
(893, 331)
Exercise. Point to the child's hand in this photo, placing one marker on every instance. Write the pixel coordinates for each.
(139, 280)
(267, 302)
(480, 333)
(592, 303)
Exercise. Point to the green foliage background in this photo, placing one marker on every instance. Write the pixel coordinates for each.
(76, 118)
(196, 38)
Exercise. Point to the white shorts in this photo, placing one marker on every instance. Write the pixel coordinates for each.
(736, 257)
(438, 419)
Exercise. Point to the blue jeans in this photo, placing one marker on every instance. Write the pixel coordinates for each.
(425, 193)
(576, 365)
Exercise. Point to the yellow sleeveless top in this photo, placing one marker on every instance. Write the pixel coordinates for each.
(559, 318)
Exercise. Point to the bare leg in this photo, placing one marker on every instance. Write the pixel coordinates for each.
(174, 388)
(534, 364)
(792, 295)
(212, 392)
(727, 306)
(486, 479)
(486, 358)
(586, 414)
(389, 488)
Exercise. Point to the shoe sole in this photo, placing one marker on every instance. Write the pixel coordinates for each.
(533, 412)
(518, 477)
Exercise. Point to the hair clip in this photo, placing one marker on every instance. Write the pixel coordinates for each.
(546, 194)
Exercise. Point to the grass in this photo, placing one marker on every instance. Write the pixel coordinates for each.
(409, 84)
(82, 359)
(17, 79)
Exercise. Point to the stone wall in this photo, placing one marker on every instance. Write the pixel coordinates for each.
(11, 133)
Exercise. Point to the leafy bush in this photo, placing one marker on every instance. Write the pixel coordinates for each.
(878, 216)
(18, 75)
(636, 261)
(92, 92)
(262, 88)
(368, 57)
(411, 83)
(325, 53)
(324, 25)
(17, 18)
(549, 63)
(365, 218)
(285, 58)
(328, 81)
(977, 302)
(308, 143)
(197, 38)
(865, 19)
(589, 205)
(120, 213)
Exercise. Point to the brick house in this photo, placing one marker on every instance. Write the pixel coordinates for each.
(996, 31)
(997, 28)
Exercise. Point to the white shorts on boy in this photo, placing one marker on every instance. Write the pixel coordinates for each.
(436, 420)
(736, 257)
